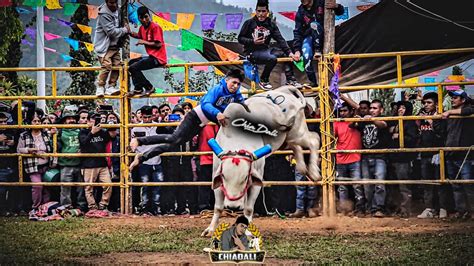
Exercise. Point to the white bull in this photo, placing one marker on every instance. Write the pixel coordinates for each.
(274, 117)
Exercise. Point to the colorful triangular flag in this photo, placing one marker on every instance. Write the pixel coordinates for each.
(89, 46)
(226, 54)
(185, 20)
(70, 8)
(164, 24)
(49, 36)
(84, 28)
(74, 43)
(84, 63)
(53, 4)
(290, 15)
(66, 57)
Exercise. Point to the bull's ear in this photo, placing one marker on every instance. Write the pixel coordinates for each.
(217, 182)
(257, 181)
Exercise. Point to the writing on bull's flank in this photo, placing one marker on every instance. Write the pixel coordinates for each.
(258, 129)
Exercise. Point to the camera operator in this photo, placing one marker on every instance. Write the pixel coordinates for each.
(94, 140)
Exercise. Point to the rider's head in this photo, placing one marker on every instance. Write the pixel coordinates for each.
(233, 79)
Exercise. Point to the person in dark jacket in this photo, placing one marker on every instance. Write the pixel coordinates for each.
(458, 133)
(255, 35)
(430, 160)
(95, 140)
(401, 162)
(309, 31)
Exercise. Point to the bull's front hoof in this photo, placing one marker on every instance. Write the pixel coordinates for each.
(208, 232)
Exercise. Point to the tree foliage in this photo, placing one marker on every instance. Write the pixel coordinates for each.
(11, 33)
(82, 81)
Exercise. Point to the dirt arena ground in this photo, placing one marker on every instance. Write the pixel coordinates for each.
(288, 228)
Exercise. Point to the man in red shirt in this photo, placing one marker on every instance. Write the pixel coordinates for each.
(151, 36)
(205, 195)
(348, 164)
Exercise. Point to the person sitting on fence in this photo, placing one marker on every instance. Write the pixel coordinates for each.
(35, 141)
(430, 160)
(150, 170)
(68, 142)
(457, 133)
(107, 46)
(212, 107)
(375, 135)
(150, 35)
(255, 35)
(309, 32)
(93, 140)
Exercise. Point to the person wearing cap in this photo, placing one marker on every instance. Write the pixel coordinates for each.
(94, 140)
(150, 170)
(211, 109)
(466, 110)
(234, 238)
(458, 133)
(68, 142)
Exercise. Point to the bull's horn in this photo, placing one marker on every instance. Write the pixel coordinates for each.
(257, 154)
(216, 148)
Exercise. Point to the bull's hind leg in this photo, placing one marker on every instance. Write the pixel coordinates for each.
(313, 144)
(218, 208)
(250, 202)
(300, 163)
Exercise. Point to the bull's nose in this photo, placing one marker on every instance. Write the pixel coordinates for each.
(234, 206)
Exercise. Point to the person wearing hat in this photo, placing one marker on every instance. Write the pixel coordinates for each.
(150, 170)
(211, 108)
(68, 142)
(467, 109)
(457, 133)
(234, 238)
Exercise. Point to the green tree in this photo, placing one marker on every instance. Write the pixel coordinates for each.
(82, 81)
(11, 32)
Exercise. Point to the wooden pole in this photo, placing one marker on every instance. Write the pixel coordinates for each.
(328, 48)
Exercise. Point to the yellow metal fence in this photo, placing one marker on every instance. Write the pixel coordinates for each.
(328, 141)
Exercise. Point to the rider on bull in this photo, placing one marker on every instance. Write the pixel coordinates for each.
(211, 109)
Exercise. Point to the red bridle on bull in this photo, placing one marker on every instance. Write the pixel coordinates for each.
(236, 157)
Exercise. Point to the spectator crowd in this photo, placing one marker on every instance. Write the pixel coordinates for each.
(425, 201)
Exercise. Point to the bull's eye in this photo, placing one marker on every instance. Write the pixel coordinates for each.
(283, 110)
